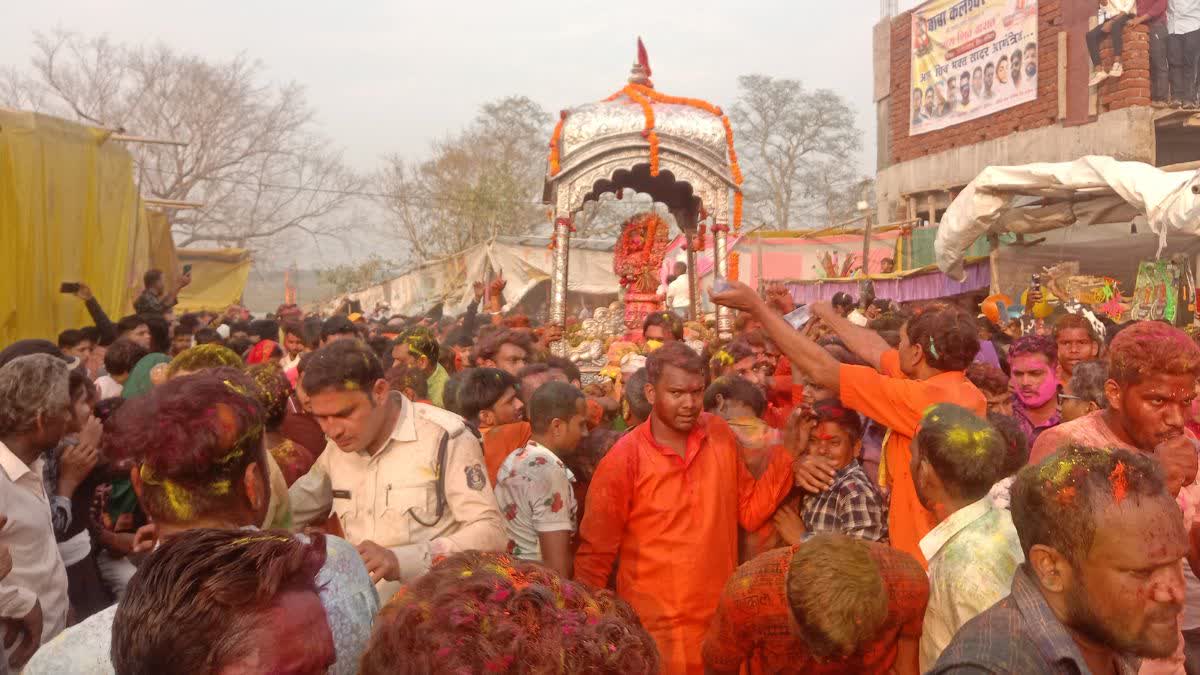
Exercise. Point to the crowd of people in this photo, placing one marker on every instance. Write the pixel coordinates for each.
(888, 489)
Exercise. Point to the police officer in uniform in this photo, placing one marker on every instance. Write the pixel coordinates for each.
(406, 480)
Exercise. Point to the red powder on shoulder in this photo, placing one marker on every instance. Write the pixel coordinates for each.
(1119, 483)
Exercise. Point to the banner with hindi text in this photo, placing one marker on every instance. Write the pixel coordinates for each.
(971, 58)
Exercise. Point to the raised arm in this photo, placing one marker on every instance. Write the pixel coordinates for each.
(108, 330)
(818, 364)
(864, 342)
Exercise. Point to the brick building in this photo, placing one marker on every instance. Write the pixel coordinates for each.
(919, 175)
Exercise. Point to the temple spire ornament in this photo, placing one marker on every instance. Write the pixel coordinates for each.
(640, 73)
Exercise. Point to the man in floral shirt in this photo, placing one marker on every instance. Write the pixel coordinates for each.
(533, 487)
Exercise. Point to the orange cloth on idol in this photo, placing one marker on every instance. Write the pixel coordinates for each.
(898, 403)
(673, 523)
(499, 442)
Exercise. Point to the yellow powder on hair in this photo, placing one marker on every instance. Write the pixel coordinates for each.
(179, 501)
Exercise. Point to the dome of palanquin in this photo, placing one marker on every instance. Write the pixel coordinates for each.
(598, 127)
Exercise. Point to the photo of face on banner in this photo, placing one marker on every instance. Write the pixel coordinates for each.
(970, 59)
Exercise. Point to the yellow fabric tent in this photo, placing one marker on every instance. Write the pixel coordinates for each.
(69, 211)
(218, 278)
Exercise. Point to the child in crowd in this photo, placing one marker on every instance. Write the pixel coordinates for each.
(852, 504)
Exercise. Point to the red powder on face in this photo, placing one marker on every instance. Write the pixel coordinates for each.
(1119, 483)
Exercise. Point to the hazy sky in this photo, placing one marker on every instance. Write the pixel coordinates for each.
(391, 76)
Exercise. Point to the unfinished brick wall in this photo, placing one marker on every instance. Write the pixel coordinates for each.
(1134, 86)
(1132, 89)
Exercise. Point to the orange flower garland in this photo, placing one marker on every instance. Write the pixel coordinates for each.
(555, 140)
(735, 170)
(651, 135)
(651, 233)
(733, 266)
(643, 95)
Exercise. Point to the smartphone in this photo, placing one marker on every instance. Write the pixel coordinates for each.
(69, 287)
(1036, 281)
(798, 317)
(187, 269)
(720, 285)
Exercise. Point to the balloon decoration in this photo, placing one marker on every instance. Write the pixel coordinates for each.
(996, 306)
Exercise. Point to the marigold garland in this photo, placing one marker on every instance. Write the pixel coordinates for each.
(555, 141)
(643, 95)
(733, 266)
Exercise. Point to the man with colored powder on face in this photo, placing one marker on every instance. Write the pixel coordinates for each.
(1102, 585)
(741, 358)
(830, 605)
(668, 499)
(201, 464)
(1077, 342)
(1033, 362)
(660, 328)
(974, 551)
(741, 404)
(488, 400)
(506, 350)
(533, 376)
(417, 347)
(405, 479)
(851, 505)
(994, 384)
(1152, 375)
(896, 388)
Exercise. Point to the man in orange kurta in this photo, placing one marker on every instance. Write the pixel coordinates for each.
(935, 348)
(891, 398)
(501, 441)
(664, 505)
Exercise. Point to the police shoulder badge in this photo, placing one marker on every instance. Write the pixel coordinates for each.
(475, 477)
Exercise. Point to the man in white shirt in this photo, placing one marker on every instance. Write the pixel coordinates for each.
(1183, 49)
(534, 487)
(679, 291)
(34, 410)
(974, 551)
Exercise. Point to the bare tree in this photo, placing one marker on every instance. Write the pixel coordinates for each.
(797, 146)
(483, 182)
(253, 156)
(351, 277)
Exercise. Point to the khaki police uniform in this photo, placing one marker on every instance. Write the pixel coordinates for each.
(391, 497)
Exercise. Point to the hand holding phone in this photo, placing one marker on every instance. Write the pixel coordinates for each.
(69, 287)
(720, 285)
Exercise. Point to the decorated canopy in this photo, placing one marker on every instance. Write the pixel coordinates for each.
(678, 150)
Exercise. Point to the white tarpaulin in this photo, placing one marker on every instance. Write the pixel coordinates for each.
(523, 262)
(1039, 197)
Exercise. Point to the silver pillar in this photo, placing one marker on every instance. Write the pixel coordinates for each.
(721, 259)
(558, 281)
